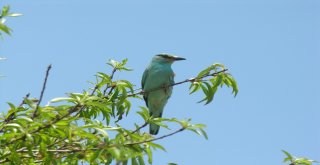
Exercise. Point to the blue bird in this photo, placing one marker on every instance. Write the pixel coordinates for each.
(158, 74)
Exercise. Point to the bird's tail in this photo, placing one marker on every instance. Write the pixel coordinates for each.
(154, 129)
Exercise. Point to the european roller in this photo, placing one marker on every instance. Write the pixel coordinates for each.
(158, 74)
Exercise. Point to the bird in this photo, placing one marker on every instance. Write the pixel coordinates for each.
(157, 78)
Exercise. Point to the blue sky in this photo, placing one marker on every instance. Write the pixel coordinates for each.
(271, 47)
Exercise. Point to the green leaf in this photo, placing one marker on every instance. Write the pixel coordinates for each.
(141, 161)
(123, 63)
(96, 155)
(210, 93)
(114, 95)
(5, 11)
(5, 29)
(112, 63)
(25, 118)
(13, 125)
(115, 152)
(158, 121)
(149, 153)
(207, 71)
(134, 161)
(157, 146)
(204, 133)
(217, 81)
(144, 113)
(289, 156)
(60, 99)
(29, 137)
(233, 84)
(204, 72)
(218, 65)
(14, 15)
(194, 86)
(104, 133)
(304, 161)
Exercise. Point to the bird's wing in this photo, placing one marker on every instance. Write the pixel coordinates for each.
(143, 80)
(171, 81)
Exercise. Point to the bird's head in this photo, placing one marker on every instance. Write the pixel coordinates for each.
(166, 58)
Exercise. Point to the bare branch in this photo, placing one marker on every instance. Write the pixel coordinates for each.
(42, 91)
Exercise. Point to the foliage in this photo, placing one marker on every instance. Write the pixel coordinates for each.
(297, 161)
(84, 127)
(219, 77)
(5, 12)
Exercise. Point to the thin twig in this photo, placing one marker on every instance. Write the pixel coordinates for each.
(112, 74)
(58, 150)
(23, 101)
(158, 138)
(42, 91)
(142, 126)
(110, 91)
(137, 129)
(112, 87)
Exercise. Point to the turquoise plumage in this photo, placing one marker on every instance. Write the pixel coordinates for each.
(158, 74)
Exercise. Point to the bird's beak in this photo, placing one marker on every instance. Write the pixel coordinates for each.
(176, 58)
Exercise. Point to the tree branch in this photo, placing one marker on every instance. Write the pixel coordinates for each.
(42, 92)
(137, 129)
(158, 138)
(58, 150)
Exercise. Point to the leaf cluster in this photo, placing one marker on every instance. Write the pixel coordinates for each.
(216, 77)
(5, 12)
(297, 161)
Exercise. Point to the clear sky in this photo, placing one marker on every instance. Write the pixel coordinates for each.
(272, 48)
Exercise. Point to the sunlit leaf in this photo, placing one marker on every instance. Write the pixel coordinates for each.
(141, 161)
(60, 99)
(149, 153)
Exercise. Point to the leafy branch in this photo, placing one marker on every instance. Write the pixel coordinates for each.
(5, 12)
(67, 127)
(297, 161)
